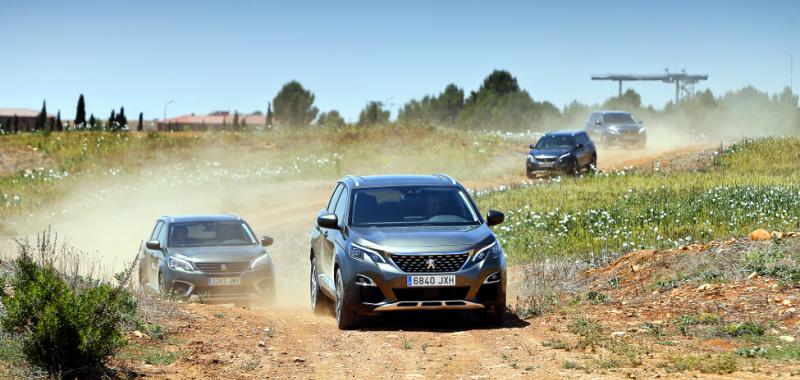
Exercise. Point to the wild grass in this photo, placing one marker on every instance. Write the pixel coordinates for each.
(199, 158)
(612, 213)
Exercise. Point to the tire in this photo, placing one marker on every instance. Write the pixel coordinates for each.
(163, 289)
(494, 317)
(346, 319)
(591, 167)
(320, 305)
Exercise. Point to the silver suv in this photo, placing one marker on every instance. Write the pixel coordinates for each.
(213, 256)
(616, 128)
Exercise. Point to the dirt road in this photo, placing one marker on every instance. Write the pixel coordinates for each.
(219, 341)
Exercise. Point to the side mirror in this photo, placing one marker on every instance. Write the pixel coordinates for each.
(266, 241)
(495, 217)
(532, 146)
(578, 146)
(598, 122)
(328, 221)
(153, 244)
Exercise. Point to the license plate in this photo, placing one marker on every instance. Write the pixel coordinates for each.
(224, 281)
(545, 164)
(433, 280)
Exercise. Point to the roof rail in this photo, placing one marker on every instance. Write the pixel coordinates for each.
(354, 178)
(234, 215)
(447, 177)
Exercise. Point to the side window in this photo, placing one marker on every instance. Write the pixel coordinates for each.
(583, 138)
(341, 206)
(162, 237)
(156, 230)
(334, 198)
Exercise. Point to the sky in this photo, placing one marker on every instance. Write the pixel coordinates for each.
(236, 55)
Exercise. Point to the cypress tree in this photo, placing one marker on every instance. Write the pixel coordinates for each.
(112, 120)
(41, 119)
(268, 119)
(122, 121)
(140, 126)
(59, 126)
(80, 114)
(92, 121)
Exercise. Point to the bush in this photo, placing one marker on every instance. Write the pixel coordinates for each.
(66, 324)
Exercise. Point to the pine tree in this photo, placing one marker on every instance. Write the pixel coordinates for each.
(140, 126)
(59, 126)
(41, 119)
(80, 114)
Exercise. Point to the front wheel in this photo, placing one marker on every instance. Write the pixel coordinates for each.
(319, 302)
(346, 319)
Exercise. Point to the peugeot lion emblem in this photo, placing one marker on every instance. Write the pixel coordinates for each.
(431, 264)
(223, 267)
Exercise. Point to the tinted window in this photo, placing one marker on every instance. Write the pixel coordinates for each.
(554, 141)
(196, 234)
(412, 205)
(156, 230)
(334, 197)
(341, 205)
(582, 138)
(619, 118)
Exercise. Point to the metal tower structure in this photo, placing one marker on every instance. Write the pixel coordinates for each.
(684, 83)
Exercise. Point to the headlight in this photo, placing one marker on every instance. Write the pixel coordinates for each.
(174, 263)
(492, 249)
(564, 156)
(261, 261)
(641, 130)
(358, 252)
(613, 130)
(531, 158)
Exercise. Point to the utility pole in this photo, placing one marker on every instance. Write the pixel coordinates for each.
(165, 109)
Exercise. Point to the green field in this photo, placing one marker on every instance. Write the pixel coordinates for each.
(752, 184)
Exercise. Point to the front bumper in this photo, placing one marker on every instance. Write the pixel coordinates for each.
(534, 167)
(254, 284)
(626, 139)
(390, 291)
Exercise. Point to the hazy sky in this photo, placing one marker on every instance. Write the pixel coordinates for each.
(209, 55)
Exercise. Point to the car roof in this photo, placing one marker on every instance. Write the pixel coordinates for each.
(612, 111)
(399, 180)
(565, 133)
(201, 218)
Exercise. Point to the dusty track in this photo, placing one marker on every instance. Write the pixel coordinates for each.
(226, 342)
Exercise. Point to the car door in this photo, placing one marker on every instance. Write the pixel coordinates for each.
(582, 152)
(319, 235)
(333, 237)
(150, 264)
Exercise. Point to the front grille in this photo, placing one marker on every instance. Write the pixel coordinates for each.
(423, 263)
(218, 267)
(431, 294)
(545, 159)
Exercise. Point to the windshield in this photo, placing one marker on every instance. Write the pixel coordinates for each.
(412, 206)
(553, 142)
(619, 118)
(196, 234)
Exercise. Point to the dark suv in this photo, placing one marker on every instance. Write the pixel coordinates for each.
(214, 256)
(616, 128)
(389, 243)
(562, 151)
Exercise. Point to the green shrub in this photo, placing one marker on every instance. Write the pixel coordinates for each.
(66, 325)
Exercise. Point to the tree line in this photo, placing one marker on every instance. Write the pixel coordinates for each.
(498, 104)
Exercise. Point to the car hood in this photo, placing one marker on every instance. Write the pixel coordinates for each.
(219, 254)
(625, 127)
(554, 152)
(421, 239)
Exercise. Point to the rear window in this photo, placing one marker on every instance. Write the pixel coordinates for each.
(203, 234)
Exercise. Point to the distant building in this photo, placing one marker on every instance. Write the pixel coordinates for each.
(217, 120)
(26, 118)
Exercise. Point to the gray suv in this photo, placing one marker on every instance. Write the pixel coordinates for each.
(393, 243)
(616, 128)
(213, 256)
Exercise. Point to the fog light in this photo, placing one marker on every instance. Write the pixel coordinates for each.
(364, 281)
(494, 278)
